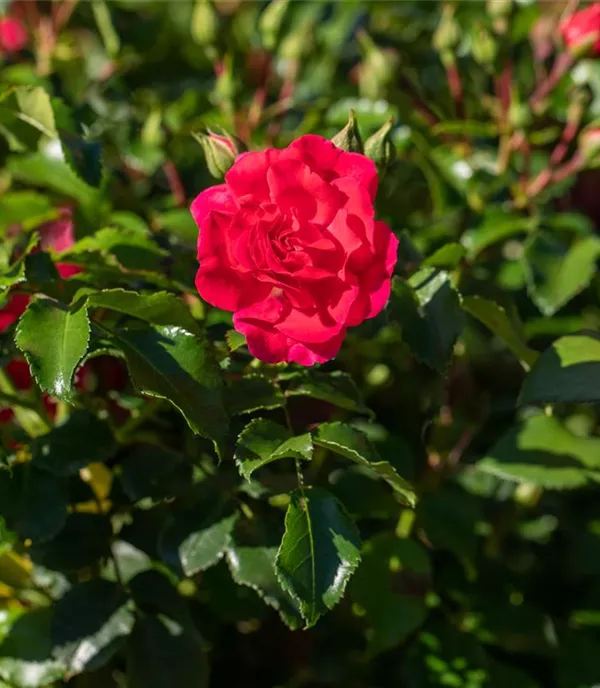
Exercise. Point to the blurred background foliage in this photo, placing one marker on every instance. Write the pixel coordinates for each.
(128, 555)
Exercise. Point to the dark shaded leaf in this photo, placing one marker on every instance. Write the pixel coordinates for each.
(427, 308)
(569, 371)
(82, 439)
(255, 567)
(163, 654)
(543, 452)
(91, 532)
(251, 393)
(556, 274)
(54, 339)
(395, 606)
(318, 553)
(175, 364)
(352, 444)
(496, 319)
(192, 541)
(263, 441)
(337, 388)
(26, 653)
(156, 472)
(90, 624)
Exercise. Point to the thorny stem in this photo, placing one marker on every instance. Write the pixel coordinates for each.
(62, 12)
(568, 134)
(455, 86)
(548, 176)
(285, 96)
(561, 66)
(175, 183)
(290, 427)
(426, 113)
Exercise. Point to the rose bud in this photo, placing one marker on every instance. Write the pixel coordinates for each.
(13, 35)
(220, 151)
(581, 31)
(380, 147)
(349, 139)
(290, 244)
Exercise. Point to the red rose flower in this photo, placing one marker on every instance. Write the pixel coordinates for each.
(59, 235)
(582, 29)
(13, 35)
(289, 244)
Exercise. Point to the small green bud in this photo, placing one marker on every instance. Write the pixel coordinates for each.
(298, 43)
(499, 8)
(447, 33)
(270, 22)
(205, 23)
(519, 114)
(220, 151)
(380, 147)
(349, 139)
(483, 46)
(378, 69)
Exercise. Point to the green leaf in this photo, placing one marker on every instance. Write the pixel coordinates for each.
(155, 472)
(27, 209)
(263, 441)
(159, 308)
(90, 624)
(392, 614)
(42, 510)
(255, 568)
(82, 439)
(180, 222)
(84, 157)
(497, 225)
(134, 249)
(568, 371)
(193, 542)
(15, 272)
(54, 339)
(172, 363)
(26, 654)
(235, 340)
(447, 257)
(496, 319)
(51, 173)
(319, 552)
(26, 117)
(352, 444)
(541, 451)
(91, 532)
(427, 308)
(252, 393)
(556, 274)
(164, 653)
(337, 388)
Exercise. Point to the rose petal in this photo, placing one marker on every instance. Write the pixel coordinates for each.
(247, 178)
(12, 311)
(223, 287)
(359, 168)
(58, 235)
(216, 198)
(318, 153)
(297, 190)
